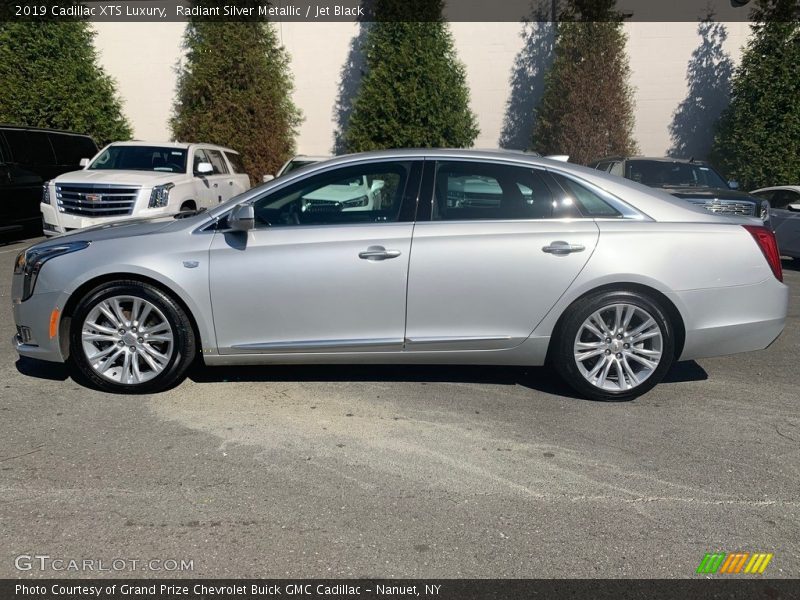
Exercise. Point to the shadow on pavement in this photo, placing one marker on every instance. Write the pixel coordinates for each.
(41, 369)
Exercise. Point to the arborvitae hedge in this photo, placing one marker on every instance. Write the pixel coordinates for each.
(586, 109)
(414, 93)
(235, 89)
(758, 136)
(50, 77)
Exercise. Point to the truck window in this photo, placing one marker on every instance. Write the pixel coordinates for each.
(70, 149)
(30, 147)
(236, 162)
(215, 156)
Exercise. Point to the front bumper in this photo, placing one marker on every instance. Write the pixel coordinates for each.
(34, 314)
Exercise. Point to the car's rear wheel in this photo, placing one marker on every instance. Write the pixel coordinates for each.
(130, 337)
(614, 345)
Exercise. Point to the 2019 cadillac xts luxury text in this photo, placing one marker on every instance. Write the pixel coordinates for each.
(460, 257)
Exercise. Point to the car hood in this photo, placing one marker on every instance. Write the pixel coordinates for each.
(113, 176)
(122, 229)
(704, 193)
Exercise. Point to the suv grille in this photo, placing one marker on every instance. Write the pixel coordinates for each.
(728, 207)
(90, 200)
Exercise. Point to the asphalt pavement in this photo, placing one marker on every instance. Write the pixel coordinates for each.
(370, 471)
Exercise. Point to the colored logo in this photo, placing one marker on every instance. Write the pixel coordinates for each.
(735, 562)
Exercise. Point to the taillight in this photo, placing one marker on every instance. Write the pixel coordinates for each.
(769, 247)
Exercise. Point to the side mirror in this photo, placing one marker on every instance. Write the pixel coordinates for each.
(794, 207)
(242, 218)
(204, 168)
(84, 163)
(734, 185)
(266, 178)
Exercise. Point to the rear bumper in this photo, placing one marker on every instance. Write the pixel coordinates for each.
(730, 320)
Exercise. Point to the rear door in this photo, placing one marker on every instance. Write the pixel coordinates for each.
(785, 221)
(498, 251)
(30, 164)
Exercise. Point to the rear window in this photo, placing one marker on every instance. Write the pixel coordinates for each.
(70, 149)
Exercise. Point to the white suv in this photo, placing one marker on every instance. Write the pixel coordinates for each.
(142, 179)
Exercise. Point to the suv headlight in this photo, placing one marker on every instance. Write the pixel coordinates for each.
(46, 193)
(356, 202)
(159, 197)
(29, 262)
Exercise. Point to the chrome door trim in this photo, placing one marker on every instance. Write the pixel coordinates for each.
(453, 339)
(326, 345)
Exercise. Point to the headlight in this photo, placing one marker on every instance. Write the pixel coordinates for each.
(159, 197)
(29, 262)
(765, 210)
(356, 202)
(46, 193)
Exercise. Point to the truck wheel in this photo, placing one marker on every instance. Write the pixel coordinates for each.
(129, 337)
(188, 205)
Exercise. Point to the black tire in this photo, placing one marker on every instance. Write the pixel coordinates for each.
(563, 357)
(183, 347)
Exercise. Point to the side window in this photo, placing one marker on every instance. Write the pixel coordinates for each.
(70, 149)
(782, 198)
(39, 149)
(215, 156)
(590, 204)
(236, 162)
(370, 193)
(468, 191)
(616, 169)
(602, 166)
(17, 140)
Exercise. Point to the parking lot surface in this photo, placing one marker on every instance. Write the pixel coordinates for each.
(406, 471)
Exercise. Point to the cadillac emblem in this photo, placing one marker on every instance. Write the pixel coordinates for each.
(94, 198)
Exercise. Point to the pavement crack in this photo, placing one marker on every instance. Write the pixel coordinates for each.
(34, 451)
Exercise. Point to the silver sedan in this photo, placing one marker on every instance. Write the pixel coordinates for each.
(460, 257)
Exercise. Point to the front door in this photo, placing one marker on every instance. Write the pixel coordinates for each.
(323, 271)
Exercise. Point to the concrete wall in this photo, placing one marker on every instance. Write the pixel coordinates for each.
(503, 62)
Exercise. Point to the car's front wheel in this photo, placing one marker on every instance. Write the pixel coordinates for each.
(130, 337)
(614, 345)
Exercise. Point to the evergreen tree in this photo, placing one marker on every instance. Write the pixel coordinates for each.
(51, 78)
(586, 109)
(758, 136)
(234, 89)
(414, 92)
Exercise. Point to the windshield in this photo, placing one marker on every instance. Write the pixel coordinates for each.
(659, 173)
(141, 158)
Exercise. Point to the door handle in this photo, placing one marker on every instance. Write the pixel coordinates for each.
(216, 185)
(560, 248)
(378, 253)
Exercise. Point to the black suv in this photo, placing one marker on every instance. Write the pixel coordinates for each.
(28, 158)
(691, 180)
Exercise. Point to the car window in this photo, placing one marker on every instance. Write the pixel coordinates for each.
(602, 166)
(70, 149)
(359, 194)
(236, 162)
(293, 165)
(616, 169)
(782, 198)
(766, 195)
(471, 190)
(30, 147)
(199, 157)
(589, 202)
(663, 173)
(215, 157)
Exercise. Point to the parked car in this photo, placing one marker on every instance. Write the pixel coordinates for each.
(28, 158)
(784, 214)
(296, 162)
(607, 280)
(691, 180)
(129, 180)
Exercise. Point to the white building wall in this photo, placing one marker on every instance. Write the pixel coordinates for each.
(142, 58)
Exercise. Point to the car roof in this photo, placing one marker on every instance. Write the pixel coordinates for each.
(793, 188)
(665, 159)
(182, 145)
(45, 129)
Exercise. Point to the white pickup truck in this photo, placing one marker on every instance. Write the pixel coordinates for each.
(129, 180)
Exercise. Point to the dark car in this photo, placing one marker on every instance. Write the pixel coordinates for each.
(692, 180)
(28, 158)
